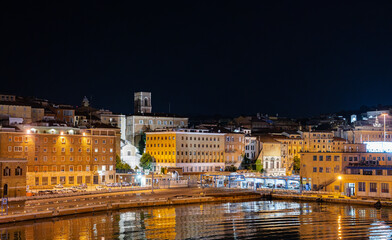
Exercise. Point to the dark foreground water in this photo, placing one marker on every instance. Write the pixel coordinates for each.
(240, 220)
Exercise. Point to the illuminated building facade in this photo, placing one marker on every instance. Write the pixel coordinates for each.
(273, 156)
(234, 149)
(62, 155)
(12, 177)
(191, 151)
(317, 141)
(322, 170)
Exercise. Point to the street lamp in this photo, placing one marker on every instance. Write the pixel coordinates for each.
(340, 183)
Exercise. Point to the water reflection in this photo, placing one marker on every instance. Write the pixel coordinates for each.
(257, 219)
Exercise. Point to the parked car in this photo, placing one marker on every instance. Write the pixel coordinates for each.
(59, 186)
(99, 188)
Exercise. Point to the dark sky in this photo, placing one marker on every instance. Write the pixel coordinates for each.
(294, 58)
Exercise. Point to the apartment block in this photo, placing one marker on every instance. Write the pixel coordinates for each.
(62, 155)
(191, 151)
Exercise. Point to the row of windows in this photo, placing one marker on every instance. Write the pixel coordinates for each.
(7, 171)
(327, 169)
(379, 172)
(186, 153)
(189, 161)
(373, 187)
(62, 140)
(327, 158)
(159, 122)
(71, 180)
(322, 135)
(45, 149)
(200, 138)
(71, 168)
(231, 139)
(161, 138)
(252, 147)
(79, 158)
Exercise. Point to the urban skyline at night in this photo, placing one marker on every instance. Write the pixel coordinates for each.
(196, 120)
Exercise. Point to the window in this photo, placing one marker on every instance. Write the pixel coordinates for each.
(361, 187)
(320, 158)
(367, 172)
(314, 169)
(336, 158)
(385, 187)
(18, 171)
(53, 180)
(378, 172)
(7, 171)
(320, 169)
(328, 170)
(373, 187)
(140, 121)
(327, 158)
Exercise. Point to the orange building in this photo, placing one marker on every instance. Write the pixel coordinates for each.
(65, 155)
(12, 177)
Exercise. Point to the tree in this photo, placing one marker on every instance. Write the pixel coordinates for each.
(297, 164)
(259, 166)
(145, 161)
(120, 164)
(163, 170)
(142, 143)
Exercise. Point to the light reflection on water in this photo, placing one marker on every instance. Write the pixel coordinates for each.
(239, 220)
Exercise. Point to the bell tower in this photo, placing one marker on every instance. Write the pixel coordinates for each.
(142, 102)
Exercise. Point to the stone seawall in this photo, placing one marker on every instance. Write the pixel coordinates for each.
(123, 204)
(331, 199)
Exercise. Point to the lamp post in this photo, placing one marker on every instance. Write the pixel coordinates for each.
(340, 183)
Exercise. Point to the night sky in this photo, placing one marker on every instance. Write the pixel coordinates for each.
(294, 58)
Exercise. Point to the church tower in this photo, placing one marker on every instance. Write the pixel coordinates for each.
(142, 102)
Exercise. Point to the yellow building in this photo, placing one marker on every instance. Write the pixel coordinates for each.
(63, 155)
(367, 181)
(317, 141)
(192, 151)
(294, 148)
(322, 170)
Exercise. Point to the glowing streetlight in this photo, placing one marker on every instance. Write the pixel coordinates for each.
(340, 183)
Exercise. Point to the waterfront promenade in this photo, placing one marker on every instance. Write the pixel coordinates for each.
(69, 205)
